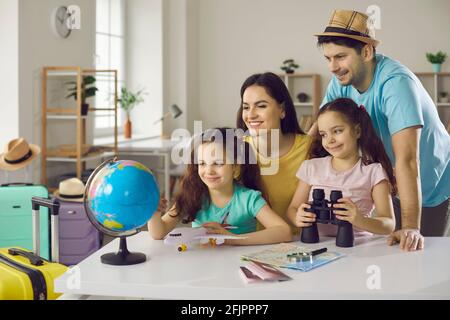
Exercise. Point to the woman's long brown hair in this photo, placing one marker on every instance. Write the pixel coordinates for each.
(193, 193)
(371, 146)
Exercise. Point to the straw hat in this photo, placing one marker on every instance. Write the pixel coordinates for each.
(71, 190)
(349, 24)
(18, 153)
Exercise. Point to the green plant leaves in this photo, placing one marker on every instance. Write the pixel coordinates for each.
(128, 99)
(439, 57)
(86, 91)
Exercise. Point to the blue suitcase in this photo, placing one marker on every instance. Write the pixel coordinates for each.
(16, 217)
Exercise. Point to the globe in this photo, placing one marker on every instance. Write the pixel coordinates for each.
(120, 197)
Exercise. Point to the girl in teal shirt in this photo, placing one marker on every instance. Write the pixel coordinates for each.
(220, 188)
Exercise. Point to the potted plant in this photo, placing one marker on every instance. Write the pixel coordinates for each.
(437, 60)
(87, 90)
(289, 66)
(128, 100)
(443, 96)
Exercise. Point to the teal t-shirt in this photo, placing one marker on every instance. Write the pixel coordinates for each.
(241, 211)
(395, 100)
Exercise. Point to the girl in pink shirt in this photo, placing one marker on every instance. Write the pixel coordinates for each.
(346, 155)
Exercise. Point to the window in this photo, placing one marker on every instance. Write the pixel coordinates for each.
(110, 54)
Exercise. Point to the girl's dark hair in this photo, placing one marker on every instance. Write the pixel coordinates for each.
(193, 193)
(275, 88)
(371, 146)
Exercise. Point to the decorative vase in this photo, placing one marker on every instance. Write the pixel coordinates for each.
(84, 109)
(127, 129)
(302, 97)
(437, 67)
(290, 71)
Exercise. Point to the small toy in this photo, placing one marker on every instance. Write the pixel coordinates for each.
(181, 237)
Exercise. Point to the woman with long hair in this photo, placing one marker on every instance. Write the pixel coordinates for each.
(268, 117)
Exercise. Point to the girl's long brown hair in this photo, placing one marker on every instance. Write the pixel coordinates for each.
(371, 146)
(193, 193)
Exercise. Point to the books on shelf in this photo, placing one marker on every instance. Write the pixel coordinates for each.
(281, 255)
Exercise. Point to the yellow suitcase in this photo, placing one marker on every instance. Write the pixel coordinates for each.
(24, 275)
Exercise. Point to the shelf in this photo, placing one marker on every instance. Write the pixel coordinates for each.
(109, 140)
(62, 73)
(431, 74)
(73, 72)
(64, 117)
(297, 75)
(310, 84)
(73, 111)
(73, 117)
(69, 153)
(434, 83)
(88, 157)
(303, 104)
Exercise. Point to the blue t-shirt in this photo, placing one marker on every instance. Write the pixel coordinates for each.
(395, 100)
(241, 211)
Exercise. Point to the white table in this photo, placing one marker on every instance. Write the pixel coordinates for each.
(155, 146)
(212, 273)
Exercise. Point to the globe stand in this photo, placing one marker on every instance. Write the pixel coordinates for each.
(123, 257)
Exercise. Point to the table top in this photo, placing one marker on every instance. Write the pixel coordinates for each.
(212, 273)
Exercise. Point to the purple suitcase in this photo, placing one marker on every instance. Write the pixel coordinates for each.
(78, 238)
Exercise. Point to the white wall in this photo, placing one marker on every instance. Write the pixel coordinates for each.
(144, 62)
(39, 47)
(237, 38)
(9, 66)
(180, 61)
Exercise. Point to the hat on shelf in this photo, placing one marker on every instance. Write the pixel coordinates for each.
(71, 190)
(18, 153)
(349, 24)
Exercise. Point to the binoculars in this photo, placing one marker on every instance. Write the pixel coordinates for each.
(324, 211)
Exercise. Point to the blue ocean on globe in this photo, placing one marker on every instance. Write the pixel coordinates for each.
(123, 196)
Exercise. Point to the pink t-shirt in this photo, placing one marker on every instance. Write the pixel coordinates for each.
(355, 183)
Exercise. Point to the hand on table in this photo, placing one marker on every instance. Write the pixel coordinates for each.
(409, 239)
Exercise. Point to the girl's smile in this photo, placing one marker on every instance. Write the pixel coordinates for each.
(260, 110)
(339, 138)
(213, 168)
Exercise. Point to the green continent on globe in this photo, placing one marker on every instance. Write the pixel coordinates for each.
(111, 224)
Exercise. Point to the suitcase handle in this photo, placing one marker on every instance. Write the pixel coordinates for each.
(16, 184)
(34, 259)
(53, 205)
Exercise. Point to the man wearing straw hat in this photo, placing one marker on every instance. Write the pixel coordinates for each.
(404, 117)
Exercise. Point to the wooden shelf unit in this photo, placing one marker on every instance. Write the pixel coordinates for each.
(314, 92)
(437, 86)
(71, 113)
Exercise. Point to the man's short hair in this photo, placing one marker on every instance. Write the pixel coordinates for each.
(343, 41)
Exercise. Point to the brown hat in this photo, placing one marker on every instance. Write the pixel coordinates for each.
(349, 24)
(71, 190)
(18, 153)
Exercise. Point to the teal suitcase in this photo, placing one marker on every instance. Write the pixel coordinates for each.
(16, 217)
